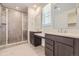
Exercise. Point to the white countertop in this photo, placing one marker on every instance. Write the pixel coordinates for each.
(72, 35)
(40, 34)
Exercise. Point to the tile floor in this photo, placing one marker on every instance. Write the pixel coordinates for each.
(23, 50)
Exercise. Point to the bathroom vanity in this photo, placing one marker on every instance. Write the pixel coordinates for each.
(63, 18)
(61, 45)
(35, 40)
(58, 44)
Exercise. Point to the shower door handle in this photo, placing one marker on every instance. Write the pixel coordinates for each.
(0, 26)
(3, 23)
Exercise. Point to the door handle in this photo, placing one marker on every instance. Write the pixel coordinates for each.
(3, 23)
(0, 26)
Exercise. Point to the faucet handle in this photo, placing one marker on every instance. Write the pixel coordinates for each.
(65, 31)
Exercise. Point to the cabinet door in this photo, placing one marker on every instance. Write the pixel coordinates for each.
(63, 50)
(48, 52)
(37, 40)
(49, 47)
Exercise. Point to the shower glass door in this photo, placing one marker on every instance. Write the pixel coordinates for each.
(14, 26)
(11, 26)
(2, 25)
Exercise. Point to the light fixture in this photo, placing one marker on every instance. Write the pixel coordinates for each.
(35, 6)
(17, 8)
(57, 8)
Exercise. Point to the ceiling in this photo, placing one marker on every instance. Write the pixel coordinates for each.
(22, 6)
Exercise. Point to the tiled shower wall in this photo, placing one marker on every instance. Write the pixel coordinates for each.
(14, 24)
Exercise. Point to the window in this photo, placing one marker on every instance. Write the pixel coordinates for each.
(46, 18)
(46, 15)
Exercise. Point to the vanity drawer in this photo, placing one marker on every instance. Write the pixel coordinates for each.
(50, 37)
(62, 39)
(65, 40)
(49, 41)
(49, 46)
(48, 52)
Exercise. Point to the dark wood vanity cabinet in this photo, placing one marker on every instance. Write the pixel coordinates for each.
(63, 50)
(35, 40)
(49, 47)
(56, 45)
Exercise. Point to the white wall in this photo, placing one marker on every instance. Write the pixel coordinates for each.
(34, 20)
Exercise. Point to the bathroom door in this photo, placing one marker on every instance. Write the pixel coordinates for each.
(14, 26)
(2, 25)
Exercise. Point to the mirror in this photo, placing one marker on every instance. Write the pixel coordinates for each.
(46, 16)
(60, 15)
(66, 15)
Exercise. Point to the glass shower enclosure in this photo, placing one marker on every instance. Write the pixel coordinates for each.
(11, 26)
(2, 25)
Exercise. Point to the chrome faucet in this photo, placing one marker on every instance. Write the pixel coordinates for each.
(65, 30)
(60, 30)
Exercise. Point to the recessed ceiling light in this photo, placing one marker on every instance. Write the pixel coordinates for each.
(35, 6)
(58, 8)
(17, 8)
